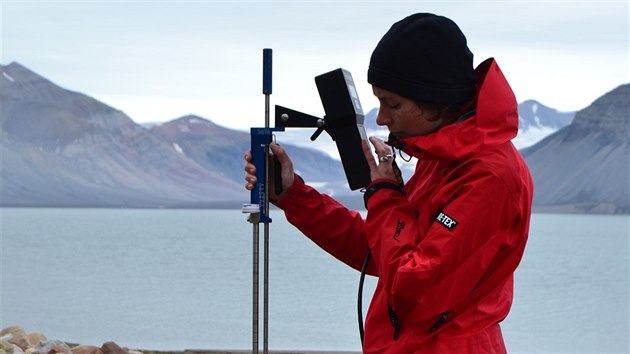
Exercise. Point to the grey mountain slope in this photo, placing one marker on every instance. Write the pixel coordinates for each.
(220, 149)
(584, 166)
(536, 121)
(63, 148)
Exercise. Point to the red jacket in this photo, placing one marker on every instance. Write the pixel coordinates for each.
(446, 250)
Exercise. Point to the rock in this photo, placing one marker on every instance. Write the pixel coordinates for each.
(6, 347)
(51, 347)
(112, 348)
(17, 350)
(35, 337)
(13, 340)
(86, 349)
(19, 336)
(9, 348)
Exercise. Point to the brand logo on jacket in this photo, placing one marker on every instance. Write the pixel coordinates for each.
(446, 220)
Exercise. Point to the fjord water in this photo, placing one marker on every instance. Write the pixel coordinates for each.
(181, 279)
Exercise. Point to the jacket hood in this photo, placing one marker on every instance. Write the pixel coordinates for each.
(495, 121)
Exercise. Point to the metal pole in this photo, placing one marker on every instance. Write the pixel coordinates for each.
(266, 293)
(259, 210)
(255, 286)
(267, 91)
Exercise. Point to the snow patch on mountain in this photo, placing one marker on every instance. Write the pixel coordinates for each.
(8, 77)
(536, 121)
(532, 136)
(178, 148)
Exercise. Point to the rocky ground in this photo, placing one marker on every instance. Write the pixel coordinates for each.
(14, 340)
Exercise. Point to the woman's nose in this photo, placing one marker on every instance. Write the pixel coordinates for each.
(382, 118)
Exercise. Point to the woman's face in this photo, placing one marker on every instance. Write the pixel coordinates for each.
(402, 116)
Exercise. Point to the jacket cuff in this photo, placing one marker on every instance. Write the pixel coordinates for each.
(297, 186)
(378, 185)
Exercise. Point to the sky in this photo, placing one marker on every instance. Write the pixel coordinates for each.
(160, 60)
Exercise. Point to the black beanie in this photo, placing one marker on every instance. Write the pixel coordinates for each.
(424, 57)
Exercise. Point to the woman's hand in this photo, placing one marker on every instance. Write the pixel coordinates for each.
(383, 167)
(287, 172)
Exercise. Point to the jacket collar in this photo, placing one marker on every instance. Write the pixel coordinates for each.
(493, 121)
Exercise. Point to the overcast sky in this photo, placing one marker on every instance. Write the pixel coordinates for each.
(159, 60)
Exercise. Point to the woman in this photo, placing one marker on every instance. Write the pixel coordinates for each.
(446, 244)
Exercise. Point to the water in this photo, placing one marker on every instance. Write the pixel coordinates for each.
(181, 279)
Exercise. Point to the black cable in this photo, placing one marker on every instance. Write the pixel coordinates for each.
(360, 297)
(392, 314)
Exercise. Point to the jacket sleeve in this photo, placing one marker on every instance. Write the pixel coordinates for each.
(429, 269)
(333, 227)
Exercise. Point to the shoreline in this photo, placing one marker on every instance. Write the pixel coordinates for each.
(14, 340)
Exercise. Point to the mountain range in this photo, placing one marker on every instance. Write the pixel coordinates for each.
(584, 167)
(62, 148)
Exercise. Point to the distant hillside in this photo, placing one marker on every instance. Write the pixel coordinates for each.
(220, 149)
(63, 148)
(536, 121)
(584, 166)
